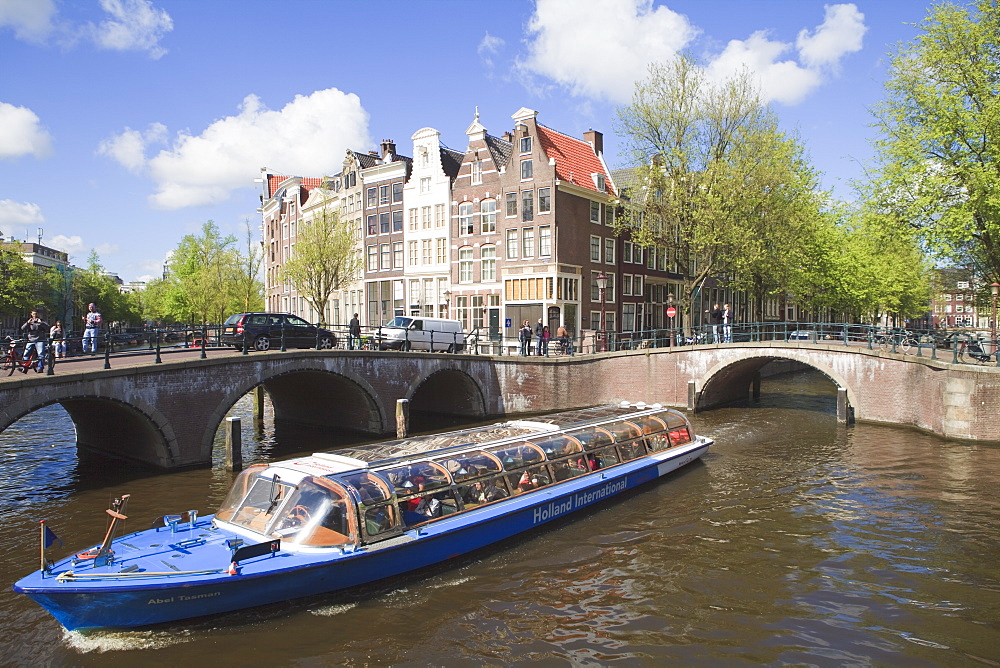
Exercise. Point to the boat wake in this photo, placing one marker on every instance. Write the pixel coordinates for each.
(333, 610)
(102, 641)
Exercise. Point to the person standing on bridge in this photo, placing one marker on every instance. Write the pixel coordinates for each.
(36, 331)
(539, 336)
(354, 334)
(716, 317)
(91, 328)
(727, 324)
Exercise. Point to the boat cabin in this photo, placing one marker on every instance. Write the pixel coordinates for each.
(370, 493)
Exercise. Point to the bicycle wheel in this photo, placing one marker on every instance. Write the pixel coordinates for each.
(906, 345)
(9, 364)
(882, 342)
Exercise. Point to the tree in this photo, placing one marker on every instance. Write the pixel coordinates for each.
(715, 183)
(939, 149)
(248, 287)
(203, 271)
(325, 259)
(18, 285)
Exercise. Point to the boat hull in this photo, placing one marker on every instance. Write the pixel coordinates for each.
(286, 576)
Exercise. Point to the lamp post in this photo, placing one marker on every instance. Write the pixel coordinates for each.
(447, 303)
(602, 284)
(994, 290)
(670, 309)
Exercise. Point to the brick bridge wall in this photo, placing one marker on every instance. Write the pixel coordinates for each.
(167, 414)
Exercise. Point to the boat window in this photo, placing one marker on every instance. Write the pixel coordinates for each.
(650, 424)
(483, 491)
(632, 450)
(674, 419)
(470, 465)
(425, 507)
(593, 438)
(557, 446)
(317, 513)
(623, 431)
(680, 435)
(371, 489)
(263, 500)
(238, 491)
(416, 477)
(380, 519)
(519, 456)
(604, 458)
(529, 479)
(657, 442)
(564, 469)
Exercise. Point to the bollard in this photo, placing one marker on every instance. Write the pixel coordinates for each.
(843, 409)
(158, 360)
(234, 445)
(50, 355)
(107, 350)
(755, 386)
(204, 337)
(258, 403)
(402, 417)
(692, 394)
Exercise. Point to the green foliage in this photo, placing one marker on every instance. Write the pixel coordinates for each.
(325, 259)
(18, 285)
(940, 143)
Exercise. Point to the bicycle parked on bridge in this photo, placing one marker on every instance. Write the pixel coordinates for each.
(974, 349)
(14, 361)
(905, 341)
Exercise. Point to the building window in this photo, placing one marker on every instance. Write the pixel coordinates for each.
(477, 172)
(627, 285)
(601, 185)
(465, 264)
(528, 242)
(627, 252)
(488, 208)
(609, 293)
(609, 251)
(525, 144)
(373, 258)
(425, 214)
(595, 212)
(439, 215)
(397, 192)
(411, 247)
(372, 226)
(385, 256)
(383, 194)
(465, 218)
(442, 250)
(413, 220)
(545, 241)
(425, 158)
(511, 244)
(527, 205)
(544, 200)
(511, 199)
(609, 216)
(372, 198)
(595, 249)
(526, 170)
(397, 255)
(488, 266)
(427, 255)
(397, 221)
(425, 184)
(637, 287)
(383, 223)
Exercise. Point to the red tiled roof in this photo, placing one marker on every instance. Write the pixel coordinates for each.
(274, 180)
(575, 159)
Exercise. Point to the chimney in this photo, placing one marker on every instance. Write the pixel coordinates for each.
(508, 137)
(595, 139)
(388, 147)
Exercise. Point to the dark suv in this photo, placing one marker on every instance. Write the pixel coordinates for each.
(263, 332)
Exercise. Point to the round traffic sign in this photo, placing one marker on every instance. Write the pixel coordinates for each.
(671, 311)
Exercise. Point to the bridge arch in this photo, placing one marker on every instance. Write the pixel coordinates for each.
(133, 430)
(308, 395)
(449, 391)
(730, 380)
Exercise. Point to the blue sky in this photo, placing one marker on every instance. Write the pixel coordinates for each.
(126, 124)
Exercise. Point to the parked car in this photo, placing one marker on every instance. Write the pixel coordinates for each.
(418, 333)
(262, 331)
(802, 335)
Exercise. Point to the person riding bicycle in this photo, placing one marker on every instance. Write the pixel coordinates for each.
(36, 331)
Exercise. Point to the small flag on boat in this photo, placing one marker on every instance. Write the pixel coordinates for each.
(49, 537)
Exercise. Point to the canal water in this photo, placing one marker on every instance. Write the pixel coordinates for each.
(795, 541)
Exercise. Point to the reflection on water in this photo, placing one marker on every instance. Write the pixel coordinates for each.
(796, 540)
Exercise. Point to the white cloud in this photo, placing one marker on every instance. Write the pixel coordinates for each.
(106, 249)
(135, 25)
(129, 147)
(30, 19)
(307, 137)
(21, 133)
(70, 245)
(489, 47)
(599, 48)
(13, 214)
(840, 33)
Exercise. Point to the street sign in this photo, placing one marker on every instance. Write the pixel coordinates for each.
(506, 322)
(671, 311)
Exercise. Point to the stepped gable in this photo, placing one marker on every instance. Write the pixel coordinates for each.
(451, 161)
(575, 159)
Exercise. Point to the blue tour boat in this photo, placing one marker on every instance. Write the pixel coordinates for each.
(331, 521)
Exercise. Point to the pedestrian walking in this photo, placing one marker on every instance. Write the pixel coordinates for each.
(354, 334)
(524, 336)
(36, 331)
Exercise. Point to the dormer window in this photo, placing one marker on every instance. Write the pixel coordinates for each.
(599, 181)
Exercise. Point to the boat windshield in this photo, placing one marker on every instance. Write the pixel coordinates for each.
(399, 321)
(253, 500)
(316, 513)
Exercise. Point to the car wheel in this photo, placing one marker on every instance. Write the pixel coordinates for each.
(325, 343)
(452, 348)
(262, 343)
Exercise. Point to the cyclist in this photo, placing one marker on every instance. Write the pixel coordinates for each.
(36, 331)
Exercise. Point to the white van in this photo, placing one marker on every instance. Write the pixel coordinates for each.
(419, 333)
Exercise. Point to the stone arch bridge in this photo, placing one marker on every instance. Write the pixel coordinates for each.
(167, 414)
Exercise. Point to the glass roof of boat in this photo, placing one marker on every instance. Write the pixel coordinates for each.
(436, 443)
